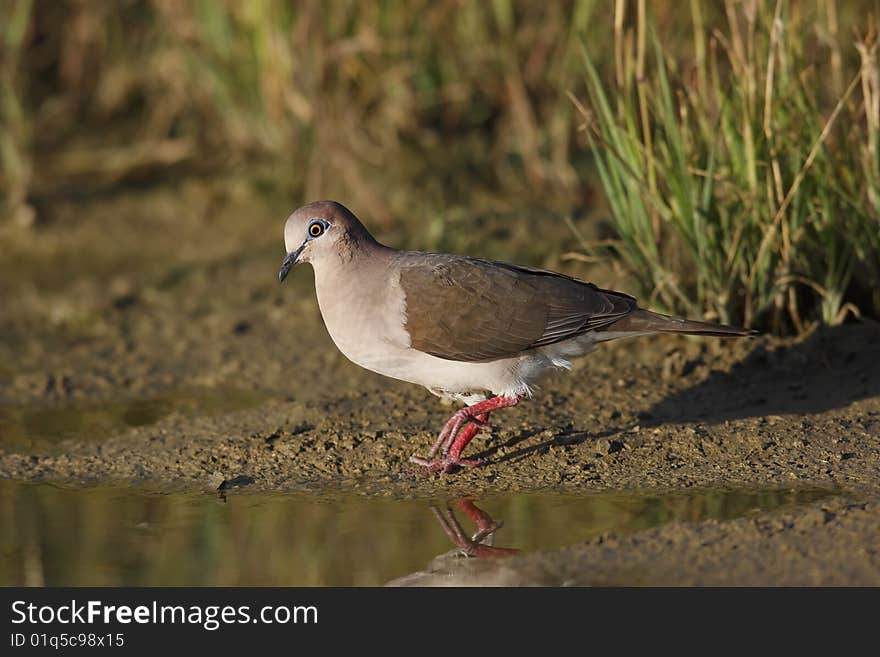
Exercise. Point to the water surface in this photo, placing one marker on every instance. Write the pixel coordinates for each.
(42, 427)
(57, 536)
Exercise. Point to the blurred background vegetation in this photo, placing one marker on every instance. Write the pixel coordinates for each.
(724, 157)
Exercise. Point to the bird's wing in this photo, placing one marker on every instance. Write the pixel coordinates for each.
(467, 309)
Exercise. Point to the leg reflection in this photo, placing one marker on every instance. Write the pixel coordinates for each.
(476, 545)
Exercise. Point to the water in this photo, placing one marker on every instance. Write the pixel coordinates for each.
(41, 427)
(56, 536)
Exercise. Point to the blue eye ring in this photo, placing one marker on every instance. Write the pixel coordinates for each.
(316, 228)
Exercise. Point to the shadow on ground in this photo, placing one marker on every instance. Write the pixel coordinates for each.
(831, 369)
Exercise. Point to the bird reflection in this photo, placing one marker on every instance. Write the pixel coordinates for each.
(478, 545)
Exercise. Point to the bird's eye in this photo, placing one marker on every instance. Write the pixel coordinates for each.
(316, 229)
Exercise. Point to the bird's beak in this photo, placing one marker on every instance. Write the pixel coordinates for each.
(289, 262)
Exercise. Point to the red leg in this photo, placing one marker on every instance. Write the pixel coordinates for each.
(453, 425)
(458, 432)
(471, 547)
(484, 522)
(481, 421)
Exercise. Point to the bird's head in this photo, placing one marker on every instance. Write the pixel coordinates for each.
(321, 231)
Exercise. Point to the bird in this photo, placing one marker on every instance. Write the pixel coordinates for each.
(470, 330)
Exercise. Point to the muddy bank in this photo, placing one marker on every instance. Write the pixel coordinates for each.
(664, 414)
(241, 380)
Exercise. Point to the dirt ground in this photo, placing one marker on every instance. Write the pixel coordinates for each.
(165, 303)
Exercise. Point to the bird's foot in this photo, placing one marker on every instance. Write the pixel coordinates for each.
(447, 464)
(458, 432)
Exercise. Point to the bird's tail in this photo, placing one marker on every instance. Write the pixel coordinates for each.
(644, 321)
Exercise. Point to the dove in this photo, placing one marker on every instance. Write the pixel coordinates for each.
(470, 330)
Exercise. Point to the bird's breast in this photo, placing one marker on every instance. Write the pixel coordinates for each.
(366, 321)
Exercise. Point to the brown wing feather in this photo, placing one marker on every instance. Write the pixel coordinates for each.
(468, 309)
